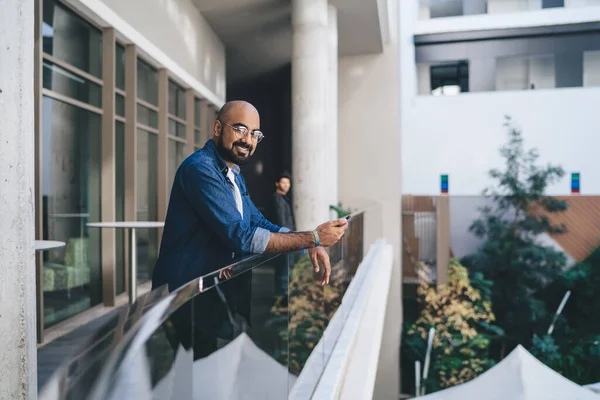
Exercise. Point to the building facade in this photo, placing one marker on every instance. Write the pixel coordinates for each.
(120, 92)
(469, 63)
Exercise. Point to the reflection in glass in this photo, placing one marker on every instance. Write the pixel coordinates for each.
(71, 85)
(176, 129)
(147, 116)
(120, 204)
(176, 100)
(147, 203)
(71, 139)
(147, 83)
(69, 38)
(176, 157)
(120, 67)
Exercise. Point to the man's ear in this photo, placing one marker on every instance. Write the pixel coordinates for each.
(216, 128)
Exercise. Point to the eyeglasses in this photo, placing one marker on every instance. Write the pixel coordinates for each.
(241, 132)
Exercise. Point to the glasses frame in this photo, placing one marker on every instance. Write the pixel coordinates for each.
(242, 132)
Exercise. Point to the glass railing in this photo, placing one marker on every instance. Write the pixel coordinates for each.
(244, 331)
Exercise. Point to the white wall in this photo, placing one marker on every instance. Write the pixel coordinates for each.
(178, 29)
(461, 135)
(369, 168)
(18, 354)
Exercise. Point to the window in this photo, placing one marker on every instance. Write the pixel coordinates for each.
(176, 100)
(120, 205)
(120, 67)
(450, 78)
(522, 73)
(72, 85)
(553, 3)
(147, 83)
(591, 68)
(147, 202)
(197, 123)
(69, 38)
(71, 144)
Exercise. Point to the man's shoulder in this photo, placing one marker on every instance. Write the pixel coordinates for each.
(200, 159)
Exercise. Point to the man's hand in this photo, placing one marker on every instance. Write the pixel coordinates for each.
(226, 273)
(319, 255)
(331, 232)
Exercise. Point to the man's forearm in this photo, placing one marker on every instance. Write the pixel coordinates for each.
(292, 241)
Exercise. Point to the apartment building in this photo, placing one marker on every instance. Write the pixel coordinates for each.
(468, 63)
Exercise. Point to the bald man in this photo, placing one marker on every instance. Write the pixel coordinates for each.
(211, 222)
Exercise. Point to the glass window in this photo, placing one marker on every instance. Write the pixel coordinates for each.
(147, 117)
(521, 73)
(176, 157)
(176, 129)
(176, 100)
(119, 105)
(147, 83)
(449, 8)
(147, 202)
(450, 78)
(120, 67)
(71, 85)
(69, 38)
(71, 145)
(120, 204)
(553, 3)
(591, 68)
(197, 113)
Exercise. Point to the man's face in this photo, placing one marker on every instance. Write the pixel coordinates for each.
(233, 148)
(284, 185)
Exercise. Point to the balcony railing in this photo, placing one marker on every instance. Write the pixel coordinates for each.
(162, 345)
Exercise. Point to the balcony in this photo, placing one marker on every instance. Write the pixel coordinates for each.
(313, 343)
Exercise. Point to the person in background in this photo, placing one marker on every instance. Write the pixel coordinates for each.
(212, 222)
(281, 213)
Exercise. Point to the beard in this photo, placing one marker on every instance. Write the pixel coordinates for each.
(229, 154)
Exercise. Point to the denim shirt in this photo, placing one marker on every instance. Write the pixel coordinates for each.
(204, 230)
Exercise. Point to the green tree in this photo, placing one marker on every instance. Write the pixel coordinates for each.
(574, 347)
(463, 323)
(511, 255)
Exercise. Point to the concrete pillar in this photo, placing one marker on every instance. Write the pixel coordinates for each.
(331, 131)
(18, 379)
(309, 111)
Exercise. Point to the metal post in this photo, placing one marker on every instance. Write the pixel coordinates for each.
(427, 358)
(417, 378)
(132, 266)
(558, 311)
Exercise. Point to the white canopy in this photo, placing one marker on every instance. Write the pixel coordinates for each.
(594, 387)
(240, 370)
(520, 376)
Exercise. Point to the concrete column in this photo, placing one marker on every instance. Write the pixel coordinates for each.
(331, 131)
(309, 111)
(18, 379)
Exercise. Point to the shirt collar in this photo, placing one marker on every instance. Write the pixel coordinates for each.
(221, 164)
